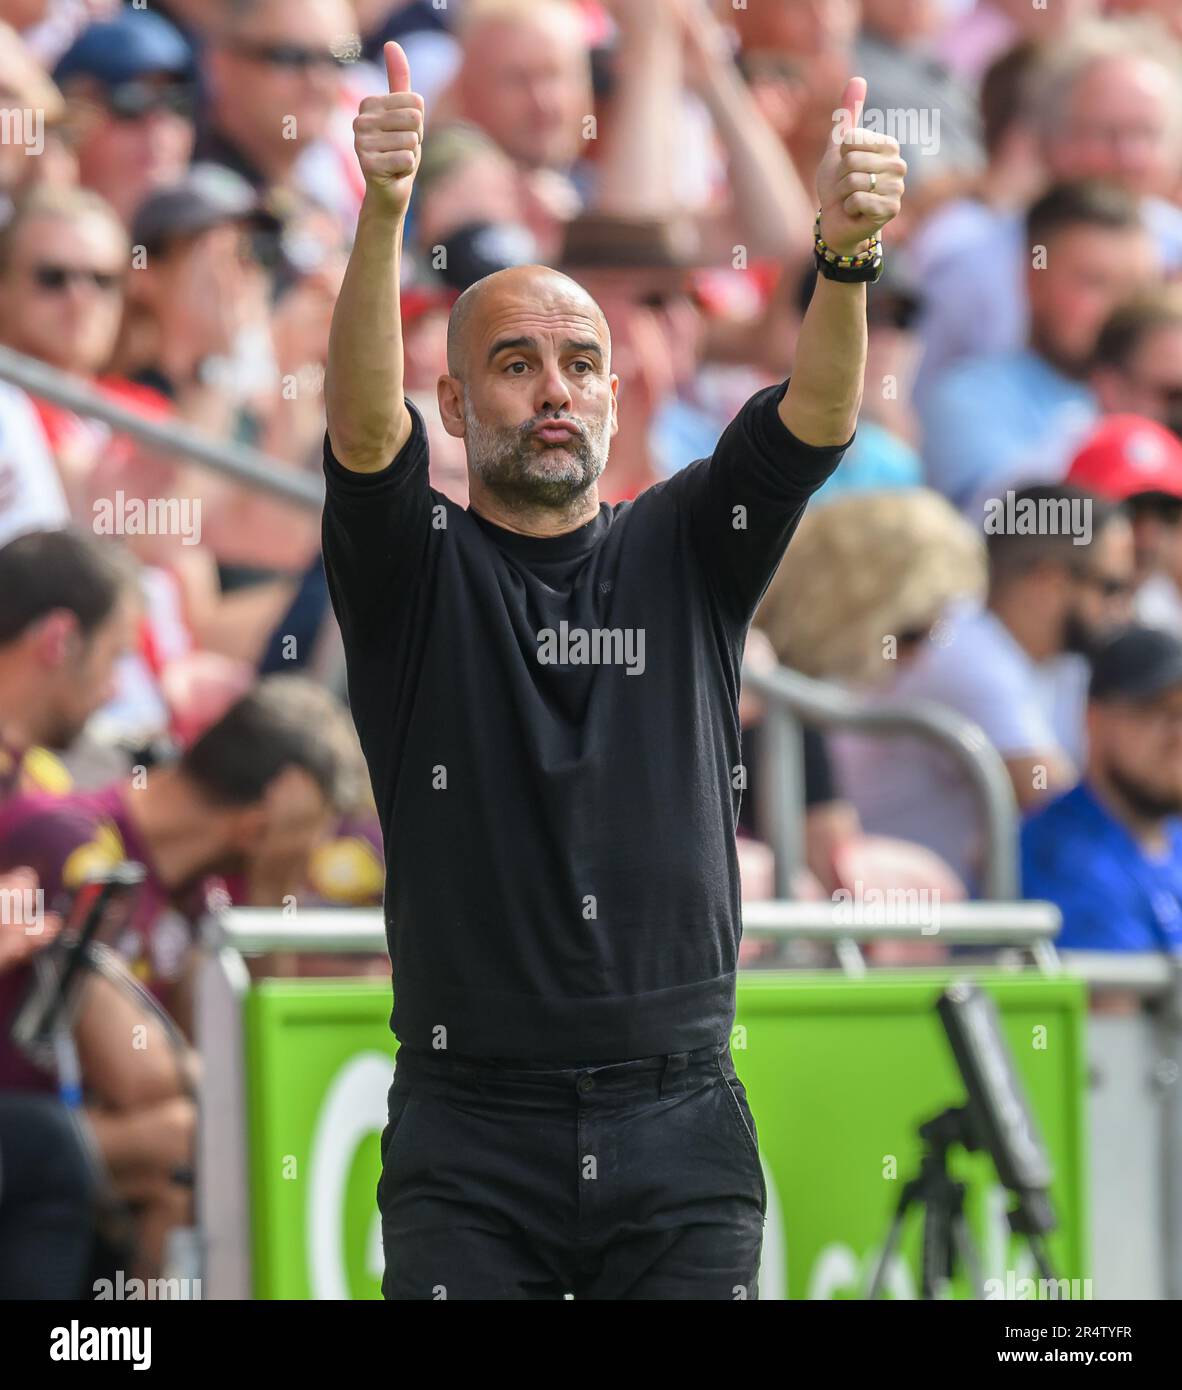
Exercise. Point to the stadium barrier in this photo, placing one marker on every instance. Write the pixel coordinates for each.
(296, 1073)
(236, 461)
(794, 699)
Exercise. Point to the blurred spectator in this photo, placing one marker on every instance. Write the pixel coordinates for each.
(31, 494)
(1101, 106)
(63, 266)
(197, 295)
(252, 796)
(805, 28)
(199, 331)
(35, 151)
(63, 624)
(525, 79)
(422, 27)
(832, 618)
(1109, 852)
(911, 94)
(1055, 592)
(1017, 417)
(636, 269)
(1011, 178)
(470, 218)
(765, 208)
(274, 80)
(1137, 365)
(1138, 463)
(988, 28)
(129, 83)
(47, 1173)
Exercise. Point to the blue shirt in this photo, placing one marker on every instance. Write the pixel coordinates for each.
(1007, 419)
(1113, 894)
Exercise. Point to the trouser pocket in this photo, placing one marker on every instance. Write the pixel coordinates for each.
(735, 1095)
(398, 1103)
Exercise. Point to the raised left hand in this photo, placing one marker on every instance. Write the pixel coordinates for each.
(860, 180)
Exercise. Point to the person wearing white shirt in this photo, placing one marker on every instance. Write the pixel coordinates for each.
(31, 495)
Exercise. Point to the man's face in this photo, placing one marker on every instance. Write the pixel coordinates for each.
(84, 680)
(134, 139)
(527, 83)
(1151, 382)
(1088, 271)
(1100, 595)
(802, 28)
(538, 399)
(656, 334)
(1137, 748)
(1120, 124)
(1157, 535)
(61, 298)
(272, 841)
(275, 75)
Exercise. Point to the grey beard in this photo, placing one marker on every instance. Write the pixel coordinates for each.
(509, 461)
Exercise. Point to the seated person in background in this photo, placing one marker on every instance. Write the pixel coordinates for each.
(1137, 463)
(1109, 852)
(47, 1177)
(62, 626)
(128, 84)
(1018, 415)
(252, 795)
(1014, 667)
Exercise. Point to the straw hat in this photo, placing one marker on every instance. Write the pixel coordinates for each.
(868, 566)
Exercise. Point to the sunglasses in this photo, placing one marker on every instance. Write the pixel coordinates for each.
(58, 277)
(292, 56)
(128, 101)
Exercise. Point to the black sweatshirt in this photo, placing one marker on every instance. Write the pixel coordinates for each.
(552, 733)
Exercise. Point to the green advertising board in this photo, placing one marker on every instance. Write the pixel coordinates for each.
(839, 1072)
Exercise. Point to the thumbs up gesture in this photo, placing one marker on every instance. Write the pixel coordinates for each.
(860, 181)
(388, 137)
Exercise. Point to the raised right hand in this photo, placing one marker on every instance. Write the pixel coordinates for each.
(388, 137)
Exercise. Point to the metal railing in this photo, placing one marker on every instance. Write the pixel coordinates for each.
(794, 699)
(236, 461)
(256, 931)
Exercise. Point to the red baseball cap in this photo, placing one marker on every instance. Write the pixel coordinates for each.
(1126, 455)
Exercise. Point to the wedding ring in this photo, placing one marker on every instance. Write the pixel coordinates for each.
(873, 182)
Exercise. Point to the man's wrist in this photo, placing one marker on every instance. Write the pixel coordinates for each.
(861, 249)
(379, 210)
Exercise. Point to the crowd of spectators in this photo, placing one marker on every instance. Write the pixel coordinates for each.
(178, 191)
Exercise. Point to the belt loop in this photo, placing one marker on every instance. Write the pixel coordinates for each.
(675, 1064)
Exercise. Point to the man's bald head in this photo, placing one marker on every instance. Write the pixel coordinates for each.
(529, 389)
(537, 287)
(525, 78)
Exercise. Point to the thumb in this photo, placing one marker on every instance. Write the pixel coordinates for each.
(853, 101)
(397, 67)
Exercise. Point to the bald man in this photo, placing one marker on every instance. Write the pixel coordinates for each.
(546, 691)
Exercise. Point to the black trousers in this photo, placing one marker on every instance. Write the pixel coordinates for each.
(624, 1180)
